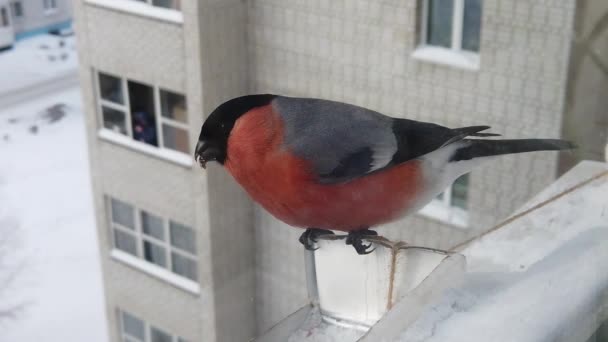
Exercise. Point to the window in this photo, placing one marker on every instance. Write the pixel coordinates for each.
(173, 117)
(450, 32)
(453, 24)
(3, 17)
(143, 118)
(452, 205)
(141, 111)
(164, 243)
(17, 9)
(50, 6)
(171, 4)
(133, 329)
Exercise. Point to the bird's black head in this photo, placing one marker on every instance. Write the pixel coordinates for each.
(213, 140)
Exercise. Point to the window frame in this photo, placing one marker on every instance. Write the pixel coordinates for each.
(142, 9)
(455, 55)
(141, 237)
(125, 336)
(184, 158)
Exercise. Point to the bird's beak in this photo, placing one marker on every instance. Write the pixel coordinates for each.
(204, 153)
(198, 154)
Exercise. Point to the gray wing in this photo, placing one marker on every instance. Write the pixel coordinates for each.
(341, 141)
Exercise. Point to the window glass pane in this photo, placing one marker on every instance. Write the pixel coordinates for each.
(125, 242)
(157, 335)
(17, 9)
(3, 17)
(182, 237)
(114, 120)
(110, 88)
(176, 138)
(143, 118)
(167, 3)
(173, 106)
(460, 191)
(122, 213)
(439, 31)
(132, 326)
(155, 253)
(181, 340)
(471, 25)
(184, 266)
(152, 225)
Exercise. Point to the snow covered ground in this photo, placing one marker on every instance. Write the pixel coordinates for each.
(34, 60)
(46, 202)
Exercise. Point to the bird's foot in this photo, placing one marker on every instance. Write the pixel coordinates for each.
(311, 236)
(355, 238)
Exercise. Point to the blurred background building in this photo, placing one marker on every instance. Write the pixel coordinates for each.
(24, 18)
(185, 254)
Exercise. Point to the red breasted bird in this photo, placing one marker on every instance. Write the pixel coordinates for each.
(321, 165)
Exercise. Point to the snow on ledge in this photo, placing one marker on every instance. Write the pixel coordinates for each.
(459, 59)
(141, 9)
(451, 215)
(172, 156)
(156, 271)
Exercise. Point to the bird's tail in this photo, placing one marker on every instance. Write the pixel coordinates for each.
(476, 148)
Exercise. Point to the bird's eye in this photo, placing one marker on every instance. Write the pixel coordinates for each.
(223, 125)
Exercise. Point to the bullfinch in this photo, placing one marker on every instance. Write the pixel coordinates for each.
(324, 165)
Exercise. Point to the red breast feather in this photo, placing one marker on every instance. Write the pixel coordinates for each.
(285, 186)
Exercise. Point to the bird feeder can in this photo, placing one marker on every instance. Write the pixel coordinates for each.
(357, 290)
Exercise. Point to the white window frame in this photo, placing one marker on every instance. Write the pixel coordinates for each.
(151, 3)
(161, 151)
(50, 7)
(142, 9)
(165, 273)
(453, 56)
(442, 209)
(125, 336)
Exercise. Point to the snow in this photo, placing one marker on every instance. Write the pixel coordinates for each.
(545, 303)
(45, 191)
(314, 329)
(460, 59)
(34, 60)
(539, 278)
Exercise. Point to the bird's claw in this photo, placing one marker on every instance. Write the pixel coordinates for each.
(311, 236)
(356, 240)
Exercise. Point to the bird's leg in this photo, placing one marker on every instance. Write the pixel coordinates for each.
(311, 235)
(356, 238)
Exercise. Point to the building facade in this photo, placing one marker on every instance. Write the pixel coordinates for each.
(30, 17)
(185, 254)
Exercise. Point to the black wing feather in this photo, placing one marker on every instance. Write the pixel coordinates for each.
(415, 138)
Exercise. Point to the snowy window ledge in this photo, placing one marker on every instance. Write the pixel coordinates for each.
(141, 9)
(436, 210)
(164, 154)
(444, 56)
(157, 272)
